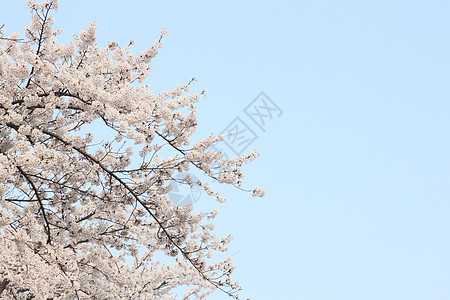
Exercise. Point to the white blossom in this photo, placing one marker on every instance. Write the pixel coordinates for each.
(81, 216)
(258, 192)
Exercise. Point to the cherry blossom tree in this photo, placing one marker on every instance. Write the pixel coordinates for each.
(82, 220)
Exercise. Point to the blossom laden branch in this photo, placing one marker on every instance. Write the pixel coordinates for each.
(41, 205)
(186, 254)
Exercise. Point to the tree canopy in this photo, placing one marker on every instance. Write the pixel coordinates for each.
(80, 220)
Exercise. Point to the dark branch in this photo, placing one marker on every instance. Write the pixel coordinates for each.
(3, 284)
(41, 205)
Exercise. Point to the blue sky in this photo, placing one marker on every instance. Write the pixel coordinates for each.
(357, 167)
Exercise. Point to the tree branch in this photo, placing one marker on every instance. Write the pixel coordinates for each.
(3, 284)
(41, 205)
(40, 40)
(144, 205)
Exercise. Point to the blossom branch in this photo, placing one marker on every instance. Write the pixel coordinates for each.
(41, 205)
(144, 205)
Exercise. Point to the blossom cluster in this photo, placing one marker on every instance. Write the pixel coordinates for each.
(79, 220)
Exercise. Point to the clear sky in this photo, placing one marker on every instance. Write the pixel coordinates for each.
(357, 167)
